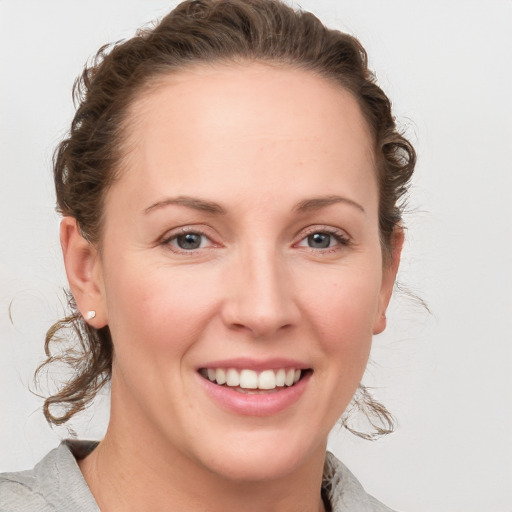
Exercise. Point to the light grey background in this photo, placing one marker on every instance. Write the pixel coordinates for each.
(446, 376)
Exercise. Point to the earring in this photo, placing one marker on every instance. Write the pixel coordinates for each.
(90, 314)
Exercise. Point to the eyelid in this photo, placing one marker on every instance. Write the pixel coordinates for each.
(174, 233)
(343, 237)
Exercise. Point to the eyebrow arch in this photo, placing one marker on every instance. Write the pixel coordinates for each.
(317, 203)
(189, 202)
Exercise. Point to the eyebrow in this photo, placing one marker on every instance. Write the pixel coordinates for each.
(213, 208)
(189, 202)
(318, 203)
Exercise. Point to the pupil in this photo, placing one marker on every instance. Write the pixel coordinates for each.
(319, 240)
(189, 241)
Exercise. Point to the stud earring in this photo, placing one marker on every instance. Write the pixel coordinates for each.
(90, 314)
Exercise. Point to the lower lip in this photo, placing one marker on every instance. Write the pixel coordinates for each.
(262, 404)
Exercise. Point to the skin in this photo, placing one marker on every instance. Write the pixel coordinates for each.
(258, 141)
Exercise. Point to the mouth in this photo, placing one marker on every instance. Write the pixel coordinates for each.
(249, 381)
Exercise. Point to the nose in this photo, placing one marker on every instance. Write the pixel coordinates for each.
(260, 297)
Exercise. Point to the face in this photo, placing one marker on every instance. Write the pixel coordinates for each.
(241, 243)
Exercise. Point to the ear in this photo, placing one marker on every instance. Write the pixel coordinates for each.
(388, 279)
(83, 269)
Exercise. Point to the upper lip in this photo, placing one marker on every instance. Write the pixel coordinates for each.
(246, 363)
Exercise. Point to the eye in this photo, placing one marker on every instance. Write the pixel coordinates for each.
(187, 241)
(319, 240)
(324, 239)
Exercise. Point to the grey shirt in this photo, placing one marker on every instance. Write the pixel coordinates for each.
(56, 484)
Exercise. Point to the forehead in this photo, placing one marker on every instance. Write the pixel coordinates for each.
(246, 122)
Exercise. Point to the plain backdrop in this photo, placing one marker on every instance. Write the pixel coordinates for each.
(446, 375)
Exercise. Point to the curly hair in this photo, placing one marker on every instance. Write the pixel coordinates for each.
(88, 161)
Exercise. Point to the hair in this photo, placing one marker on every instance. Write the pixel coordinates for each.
(88, 161)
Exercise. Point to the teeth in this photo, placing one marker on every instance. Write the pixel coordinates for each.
(220, 376)
(290, 375)
(267, 380)
(249, 379)
(232, 378)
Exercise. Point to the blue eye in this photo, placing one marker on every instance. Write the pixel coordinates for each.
(188, 241)
(319, 240)
(324, 238)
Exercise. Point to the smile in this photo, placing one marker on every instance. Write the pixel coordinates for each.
(248, 387)
(246, 379)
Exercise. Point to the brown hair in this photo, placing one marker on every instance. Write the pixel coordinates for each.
(201, 31)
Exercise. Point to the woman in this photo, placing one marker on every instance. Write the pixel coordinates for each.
(231, 232)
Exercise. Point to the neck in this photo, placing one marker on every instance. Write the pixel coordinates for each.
(126, 473)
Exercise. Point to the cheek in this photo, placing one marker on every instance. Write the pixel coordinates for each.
(156, 311)
(343, 312)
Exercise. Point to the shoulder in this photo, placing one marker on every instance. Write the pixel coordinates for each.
(344, 491)
(19, 492)
(54, 484)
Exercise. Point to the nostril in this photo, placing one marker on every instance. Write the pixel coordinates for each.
(260, 301)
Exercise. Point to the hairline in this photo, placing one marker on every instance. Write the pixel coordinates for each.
(161, 77)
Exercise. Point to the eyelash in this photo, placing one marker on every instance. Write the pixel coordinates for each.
(167, 240)
(342, 239)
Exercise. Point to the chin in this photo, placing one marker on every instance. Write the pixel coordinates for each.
(267, 457)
